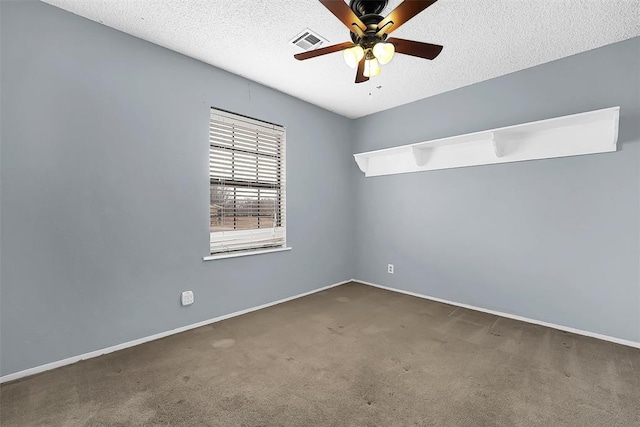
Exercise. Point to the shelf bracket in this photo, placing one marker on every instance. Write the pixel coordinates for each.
(421, 155)
(363, 163)
(498, 147)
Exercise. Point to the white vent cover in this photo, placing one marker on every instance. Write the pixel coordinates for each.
(308, 39)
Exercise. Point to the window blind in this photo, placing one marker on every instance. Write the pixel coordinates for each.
(247, 183)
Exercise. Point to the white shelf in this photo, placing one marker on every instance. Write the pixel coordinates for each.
(577, 134)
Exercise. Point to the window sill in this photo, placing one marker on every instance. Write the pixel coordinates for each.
(247, 253)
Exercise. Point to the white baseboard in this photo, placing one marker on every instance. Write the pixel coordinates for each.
(510, 316)
(92, 354)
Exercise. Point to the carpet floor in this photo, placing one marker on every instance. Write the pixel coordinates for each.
(353, 355)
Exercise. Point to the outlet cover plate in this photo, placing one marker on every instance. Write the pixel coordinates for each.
(187, 298)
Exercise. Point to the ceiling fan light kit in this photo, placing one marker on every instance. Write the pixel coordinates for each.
(353, 55)
(369, 32)
(371, 67)
(384, 52)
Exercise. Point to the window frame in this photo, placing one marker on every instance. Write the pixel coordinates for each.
(252, 241)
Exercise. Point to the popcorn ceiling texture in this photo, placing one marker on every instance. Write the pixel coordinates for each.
(482, 39)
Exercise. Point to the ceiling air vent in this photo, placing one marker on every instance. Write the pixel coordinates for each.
(308, 39)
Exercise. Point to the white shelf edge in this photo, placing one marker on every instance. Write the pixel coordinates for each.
(576, 134)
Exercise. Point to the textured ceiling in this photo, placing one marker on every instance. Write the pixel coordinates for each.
(482, 39)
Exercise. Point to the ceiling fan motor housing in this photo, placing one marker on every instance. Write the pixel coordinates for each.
(370, 38)
(367, 7)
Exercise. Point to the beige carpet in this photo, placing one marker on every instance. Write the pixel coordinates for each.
(350, 356)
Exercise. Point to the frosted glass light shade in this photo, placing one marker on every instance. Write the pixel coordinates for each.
(371, 67)
(384, 52)
(353, 55)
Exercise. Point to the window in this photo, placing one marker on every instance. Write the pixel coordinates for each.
(247, 184)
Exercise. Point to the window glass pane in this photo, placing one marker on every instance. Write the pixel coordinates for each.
(239, 208)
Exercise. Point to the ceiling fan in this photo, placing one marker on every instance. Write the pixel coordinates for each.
(370, 45)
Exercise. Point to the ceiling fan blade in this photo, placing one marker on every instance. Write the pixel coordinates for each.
(322, 51)
(413, 48)
(360, 77)
(344, 13)
(401, 14)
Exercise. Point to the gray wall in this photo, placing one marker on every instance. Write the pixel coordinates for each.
(104, 183)
(554, 240)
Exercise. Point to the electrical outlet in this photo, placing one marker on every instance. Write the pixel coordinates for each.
(187, 298)
(390, 269)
